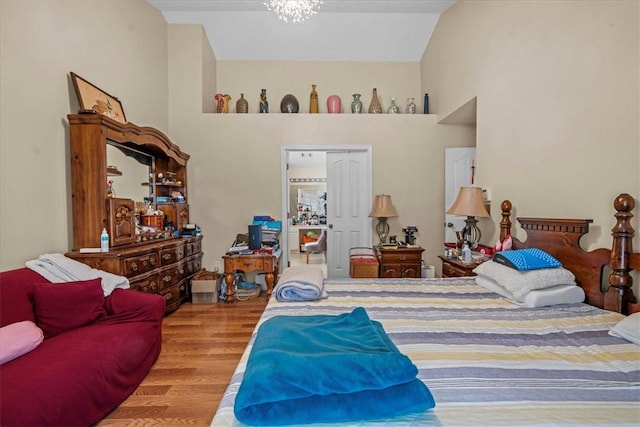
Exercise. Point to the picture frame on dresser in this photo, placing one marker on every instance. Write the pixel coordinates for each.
(91, 97)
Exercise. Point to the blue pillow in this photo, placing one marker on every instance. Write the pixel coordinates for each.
(526, 259)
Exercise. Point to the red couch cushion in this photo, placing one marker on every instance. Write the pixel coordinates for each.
(16, 295)
(64, 306)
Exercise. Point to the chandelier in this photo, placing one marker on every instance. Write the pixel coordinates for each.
(294, 10)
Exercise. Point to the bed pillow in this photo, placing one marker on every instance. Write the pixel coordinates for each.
(60, 307)
(562, 294)
(18, 338)
(520, 283)
(628, 328)
(526, 259)
(490, 284)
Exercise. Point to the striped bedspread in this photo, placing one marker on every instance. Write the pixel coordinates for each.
(487, 361)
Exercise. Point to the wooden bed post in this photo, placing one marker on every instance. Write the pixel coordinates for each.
(505, 222)
(620, 294)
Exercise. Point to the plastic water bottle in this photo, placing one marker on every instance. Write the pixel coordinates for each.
(466, 253)
(104, 241)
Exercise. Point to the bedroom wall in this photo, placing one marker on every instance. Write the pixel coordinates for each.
(558, 88)
(234, 170)
(119, 46)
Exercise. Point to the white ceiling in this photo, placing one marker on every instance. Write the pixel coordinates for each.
(343, 30)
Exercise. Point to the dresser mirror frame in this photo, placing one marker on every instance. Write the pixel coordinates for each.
(90, 134)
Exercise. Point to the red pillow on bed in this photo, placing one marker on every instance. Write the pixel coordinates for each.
(60, 307)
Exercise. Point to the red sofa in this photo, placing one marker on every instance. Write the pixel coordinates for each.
(96, 350)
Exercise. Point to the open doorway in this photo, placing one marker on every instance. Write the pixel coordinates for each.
(307, 208)
(347, 203)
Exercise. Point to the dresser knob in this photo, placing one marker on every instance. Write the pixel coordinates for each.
(134, 266)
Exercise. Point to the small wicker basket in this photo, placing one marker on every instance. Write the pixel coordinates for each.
(245, 294)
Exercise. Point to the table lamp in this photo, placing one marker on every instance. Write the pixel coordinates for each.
(469, 203)
(383, 209)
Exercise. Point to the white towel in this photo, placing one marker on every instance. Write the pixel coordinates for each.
(58, 268)
(300, 283)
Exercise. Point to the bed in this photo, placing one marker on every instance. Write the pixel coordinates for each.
(489, 361)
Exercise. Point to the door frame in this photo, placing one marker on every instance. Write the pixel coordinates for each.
(284, 185)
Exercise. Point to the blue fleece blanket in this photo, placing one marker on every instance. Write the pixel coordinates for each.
(310, 369)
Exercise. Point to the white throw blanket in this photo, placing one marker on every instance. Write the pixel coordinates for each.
(300, 283)
(57, 268)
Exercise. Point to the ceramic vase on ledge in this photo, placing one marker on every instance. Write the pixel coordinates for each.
(334, 104)
(374, 106)
(242, 106)
(411, 106)
(264, 104)
(289, 104)
(393, 108)
(313, 100)
(356, 104)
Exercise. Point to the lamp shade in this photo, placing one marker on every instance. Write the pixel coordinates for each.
(383, 208)
(469, 203)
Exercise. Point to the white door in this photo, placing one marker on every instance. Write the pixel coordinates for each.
(348, 206)
(459, 172)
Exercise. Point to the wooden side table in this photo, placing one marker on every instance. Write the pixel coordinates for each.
(400, 262)
(269, 263)
(452, 267)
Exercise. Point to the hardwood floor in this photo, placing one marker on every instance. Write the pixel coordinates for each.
(201, 346)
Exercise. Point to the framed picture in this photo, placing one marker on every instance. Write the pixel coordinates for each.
(93, 98)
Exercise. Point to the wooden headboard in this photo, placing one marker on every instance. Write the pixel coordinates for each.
(561, 239)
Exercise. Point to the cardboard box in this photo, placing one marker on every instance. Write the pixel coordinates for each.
(205, 287)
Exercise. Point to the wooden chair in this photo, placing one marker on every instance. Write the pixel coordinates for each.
(317, 247)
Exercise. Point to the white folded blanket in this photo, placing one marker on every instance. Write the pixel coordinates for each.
(58, 268)
(300, 283)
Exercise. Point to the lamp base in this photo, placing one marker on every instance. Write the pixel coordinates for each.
(471, 233)
(383, 230)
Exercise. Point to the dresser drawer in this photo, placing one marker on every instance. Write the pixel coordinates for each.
(171, 296)
(450, 270)
(136, 265)
(192, 266)
(193, 248)
(401, 257)
(148, 285)
(245, 263)
(171, 255)
(168, 278)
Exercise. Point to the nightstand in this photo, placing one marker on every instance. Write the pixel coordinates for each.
(451, 267)
(400, 261)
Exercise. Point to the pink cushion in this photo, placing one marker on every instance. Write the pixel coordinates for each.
(17, 339)
(60, 307)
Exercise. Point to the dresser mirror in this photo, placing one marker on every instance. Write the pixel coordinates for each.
(129, 169)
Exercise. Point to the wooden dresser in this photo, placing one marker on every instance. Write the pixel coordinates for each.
(149, 170)
(400, 262)
(164, 266)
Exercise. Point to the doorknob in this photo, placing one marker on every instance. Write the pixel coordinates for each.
(450, 224)
(330, 226)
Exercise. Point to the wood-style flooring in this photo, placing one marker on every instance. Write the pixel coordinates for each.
(201, 346)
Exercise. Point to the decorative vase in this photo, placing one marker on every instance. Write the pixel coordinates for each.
(411, 106)
(289, 104)
(374, 106)
(356, 104)
(313, 100)
(334, 104)
(222, 102)
(393, 108)
(264, 104)
(426, 103)
(242, 106)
